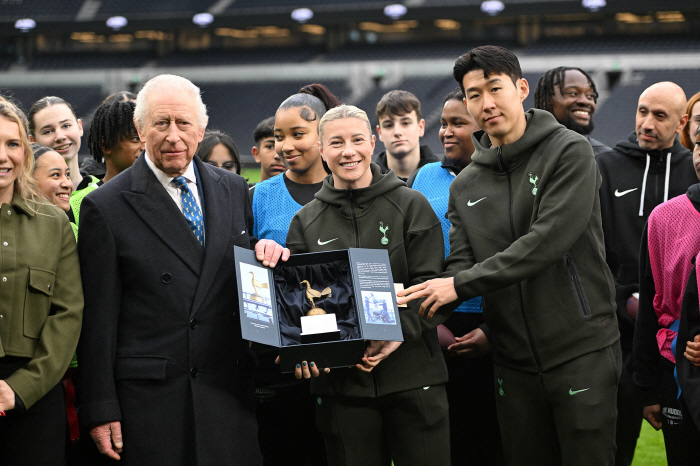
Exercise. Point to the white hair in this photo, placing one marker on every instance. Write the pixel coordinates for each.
(175, 84)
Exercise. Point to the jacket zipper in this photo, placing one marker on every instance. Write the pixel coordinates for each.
(354, 219)
(499, 152)
(375, 390)
(577, 286)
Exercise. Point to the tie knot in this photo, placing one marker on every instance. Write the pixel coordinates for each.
(180, 182)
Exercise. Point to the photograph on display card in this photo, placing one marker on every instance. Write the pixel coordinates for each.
(378, 307)
(257, 303)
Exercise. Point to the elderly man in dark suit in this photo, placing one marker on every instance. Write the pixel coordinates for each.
(166, 377)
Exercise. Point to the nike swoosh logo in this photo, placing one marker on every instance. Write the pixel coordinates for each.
(321, 243)
(470, 203)
(573, 392)
(618, 193)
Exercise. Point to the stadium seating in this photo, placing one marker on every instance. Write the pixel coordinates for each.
(236, 109)
(159, 8)
(47, 10)
(239, 56)
(84, 60)
(625, 44)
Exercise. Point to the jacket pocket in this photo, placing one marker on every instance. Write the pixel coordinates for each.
(577, 287)
(37, 301)
(140, 368)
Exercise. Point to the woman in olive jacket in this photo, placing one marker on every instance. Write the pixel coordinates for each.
(393, 406)
(41, 305)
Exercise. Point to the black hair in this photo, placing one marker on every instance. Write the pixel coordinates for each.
(112, 122)
(456, 94)
(214, 138)
(43, 103)
(492, 60)
(398, 103)
(38, 150)
(313, 99)
(121, 96)
(265, 129)
(544, 92)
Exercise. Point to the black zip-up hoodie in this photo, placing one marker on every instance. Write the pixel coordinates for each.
(526, 235)
(634, 181)
(415, 247)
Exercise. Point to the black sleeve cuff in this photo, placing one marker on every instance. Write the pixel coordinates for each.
(484, 328)
(19, 406)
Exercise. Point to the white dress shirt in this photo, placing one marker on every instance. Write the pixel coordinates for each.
(172, 189)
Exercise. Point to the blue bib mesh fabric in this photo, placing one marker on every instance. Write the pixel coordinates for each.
(433, 182)
(273, 209)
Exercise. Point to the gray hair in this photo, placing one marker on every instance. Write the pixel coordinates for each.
(340, 112)
(169, 82)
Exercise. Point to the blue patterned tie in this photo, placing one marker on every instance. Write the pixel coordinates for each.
(191, 209)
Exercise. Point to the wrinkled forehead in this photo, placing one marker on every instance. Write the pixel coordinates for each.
(166, 102)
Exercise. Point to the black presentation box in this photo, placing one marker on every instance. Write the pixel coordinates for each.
(362, 297)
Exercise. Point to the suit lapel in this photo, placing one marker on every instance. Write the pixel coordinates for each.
(156, 208)
(217, 231)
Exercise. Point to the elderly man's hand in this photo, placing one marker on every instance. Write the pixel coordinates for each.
(268, 252)
(437, 292)
(108, 438)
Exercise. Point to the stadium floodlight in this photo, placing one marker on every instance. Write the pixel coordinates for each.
(117, 22)
(395, 11)
(302, 15)
(203, 19)
(594, 5)
(25, 24)
(492, 7)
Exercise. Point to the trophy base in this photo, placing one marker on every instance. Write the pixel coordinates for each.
(316, 311)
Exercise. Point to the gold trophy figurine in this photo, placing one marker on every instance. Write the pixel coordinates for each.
(256, 284)
(312, 294)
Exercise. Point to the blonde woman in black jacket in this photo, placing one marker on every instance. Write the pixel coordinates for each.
(392, 406)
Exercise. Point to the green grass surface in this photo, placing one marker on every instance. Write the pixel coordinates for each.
(650, 448)
(251, 174)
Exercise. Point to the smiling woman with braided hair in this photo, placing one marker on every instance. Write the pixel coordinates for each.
(112, 140)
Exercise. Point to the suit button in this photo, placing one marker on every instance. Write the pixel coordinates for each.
(166, 277)
(193, 323)
(239, 363)
(194, 372)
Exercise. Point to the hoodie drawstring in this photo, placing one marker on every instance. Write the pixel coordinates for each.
(644, 187)
(668, 176)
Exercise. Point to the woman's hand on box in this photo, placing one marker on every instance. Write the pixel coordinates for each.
(306, 370)
(376, 352)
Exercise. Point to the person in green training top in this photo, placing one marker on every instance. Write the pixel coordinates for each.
(527, 236)
(393, 405)
(112, 140)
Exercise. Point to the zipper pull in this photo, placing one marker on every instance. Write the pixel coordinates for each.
(499, 154)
